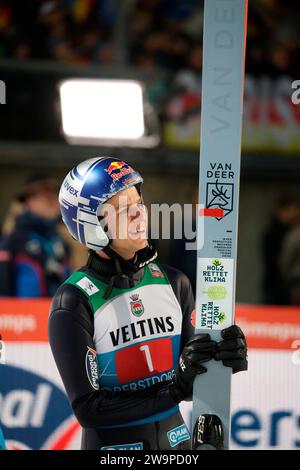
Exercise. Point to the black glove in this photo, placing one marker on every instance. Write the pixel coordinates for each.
(198, 350)
(232, 351)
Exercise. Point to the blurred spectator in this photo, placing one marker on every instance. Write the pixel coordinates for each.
(79, 252)
(290, 263)
(63, 30)
(34, 258)
(285, 215)
(15, 209)
(185, 89)
(160, 32)
(272, 39)
(158, 29)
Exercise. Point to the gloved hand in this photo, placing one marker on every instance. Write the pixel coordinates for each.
(198, 350)
(232, 350)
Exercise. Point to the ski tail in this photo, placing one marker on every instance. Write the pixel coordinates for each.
(208, 433)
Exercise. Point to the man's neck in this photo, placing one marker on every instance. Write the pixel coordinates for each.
(102, 254)
(126, 256)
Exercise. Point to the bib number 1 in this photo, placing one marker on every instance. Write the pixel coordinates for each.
(146, 350)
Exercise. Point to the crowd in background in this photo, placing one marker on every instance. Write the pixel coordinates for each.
(34, 255)
(160, 33)
(280, 252)
(37, 254)
(71, 31)
(165, 34)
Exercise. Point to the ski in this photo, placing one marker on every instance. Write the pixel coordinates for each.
(224, 43)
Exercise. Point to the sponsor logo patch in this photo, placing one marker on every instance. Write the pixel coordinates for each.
(118, 166)
(155, 271)
(88, 286)
(219, 199)
(135, 446)
(178, 435)
(71, 189)
(91, 366)
(137, 307)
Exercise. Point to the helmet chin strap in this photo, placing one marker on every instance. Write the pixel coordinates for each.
(139, 261)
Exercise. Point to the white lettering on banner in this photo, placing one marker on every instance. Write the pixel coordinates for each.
(280, 331)
(271, 115)
(15, 408)
(21, 408)
(41, 404)
(2, 352)
(17, 323)
(296, 354)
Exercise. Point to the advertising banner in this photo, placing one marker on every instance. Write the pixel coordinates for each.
(271, 121)
(35, 412)
(34, 409)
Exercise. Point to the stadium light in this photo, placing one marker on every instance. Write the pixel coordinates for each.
(96, 111)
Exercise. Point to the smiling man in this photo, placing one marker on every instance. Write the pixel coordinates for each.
(120, 327)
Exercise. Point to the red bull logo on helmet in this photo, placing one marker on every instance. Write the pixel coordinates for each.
(118, 166)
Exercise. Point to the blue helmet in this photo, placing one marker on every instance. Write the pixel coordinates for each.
(85, 188)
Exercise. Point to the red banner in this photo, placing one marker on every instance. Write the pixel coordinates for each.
(266, 327)
(24, 319)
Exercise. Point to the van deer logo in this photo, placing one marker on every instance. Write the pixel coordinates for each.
(220, 196)
(136, 305)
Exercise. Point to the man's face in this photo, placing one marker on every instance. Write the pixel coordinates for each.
(126, 218)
